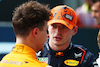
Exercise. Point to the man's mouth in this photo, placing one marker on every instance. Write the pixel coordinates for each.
(58, 38)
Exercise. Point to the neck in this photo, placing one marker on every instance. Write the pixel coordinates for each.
(20, 40)
(25, 41)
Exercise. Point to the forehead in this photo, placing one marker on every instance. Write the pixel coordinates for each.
(96, 5)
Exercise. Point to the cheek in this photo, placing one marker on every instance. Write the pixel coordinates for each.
(68, 34)
(45, 36)
(98, 14)
(50, 31)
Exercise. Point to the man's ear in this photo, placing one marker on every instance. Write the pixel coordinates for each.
(35, 32)
(75, 30)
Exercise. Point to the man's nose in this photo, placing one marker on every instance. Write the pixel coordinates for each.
(58, 30)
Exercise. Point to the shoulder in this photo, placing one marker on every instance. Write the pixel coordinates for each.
(87, 56)
(79, 48)
(28, 62)
(36, 64)
(82, 48)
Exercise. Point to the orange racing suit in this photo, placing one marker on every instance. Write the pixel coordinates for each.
(21, 56)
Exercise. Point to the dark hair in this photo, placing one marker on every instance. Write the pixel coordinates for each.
(94, 1)
(29, 15)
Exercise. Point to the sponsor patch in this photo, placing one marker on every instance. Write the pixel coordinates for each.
(71, 62)
(12, 62)
(43, 59)
(18, 48)
(59, 54)
(68, 17)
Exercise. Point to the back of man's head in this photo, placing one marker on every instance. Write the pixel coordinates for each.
(29, 15)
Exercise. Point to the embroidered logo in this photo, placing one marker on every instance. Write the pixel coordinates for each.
(12, 62)
(18, 48)
(71, 62)
(43, 59)
(78, 55)
(59, 54)
(68, 17)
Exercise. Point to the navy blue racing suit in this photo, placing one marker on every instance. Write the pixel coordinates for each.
(73, 56)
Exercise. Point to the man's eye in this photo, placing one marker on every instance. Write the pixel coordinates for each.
(53, 25)
(64, 26)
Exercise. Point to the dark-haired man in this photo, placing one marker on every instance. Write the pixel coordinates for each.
(59, 51)
(30, 26)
